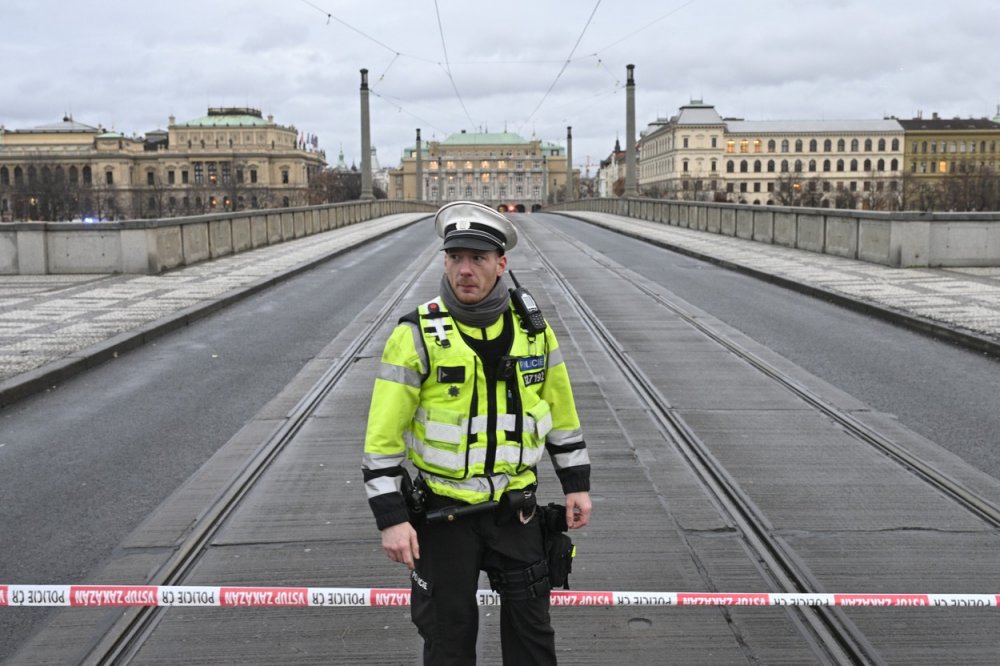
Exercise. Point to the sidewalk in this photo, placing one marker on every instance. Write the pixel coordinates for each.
(959, 304)
(53, 326)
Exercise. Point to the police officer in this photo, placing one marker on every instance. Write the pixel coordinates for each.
(473, 395)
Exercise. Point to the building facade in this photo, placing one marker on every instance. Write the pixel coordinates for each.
(230, 159)
(611, 173)
(951, 163)
(699, 155)
(501, 169)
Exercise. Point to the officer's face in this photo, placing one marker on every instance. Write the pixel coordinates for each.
(472, 273)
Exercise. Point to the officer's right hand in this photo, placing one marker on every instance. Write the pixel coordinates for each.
(400, 543)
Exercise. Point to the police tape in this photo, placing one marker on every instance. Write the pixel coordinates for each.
(93, 596)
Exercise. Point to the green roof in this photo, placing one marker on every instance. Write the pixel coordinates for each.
(484, 138)
(225, 121)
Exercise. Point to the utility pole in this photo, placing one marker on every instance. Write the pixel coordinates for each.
(630, 181)
(366, 142)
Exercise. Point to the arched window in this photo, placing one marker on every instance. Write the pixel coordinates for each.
(826, 165)
(744, 167)
(812, 145)
(770, 146)
(4, 176)
(730, 166)
(798, 166)
(18, 175)
(74, 175)
(854, 165)
(32, 175)
(840, 165)
(828, 145)
(784, 145)
(868, 145)
(841, 145)
(854, 145)
(798, 145)
(756, 166)
(881, 165)
(812, 165)
(88, 177)
(881, 145)
(784, 166)
(894, 165)
(770, 166)
(895, 144)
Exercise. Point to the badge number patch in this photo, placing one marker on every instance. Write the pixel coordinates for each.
(534, 377)
(450, 375)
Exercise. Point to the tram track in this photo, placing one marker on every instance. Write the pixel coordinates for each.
(125, 637)
(834, 637)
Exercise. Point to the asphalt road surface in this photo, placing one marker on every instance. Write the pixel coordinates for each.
(946, 393)
(82, 465)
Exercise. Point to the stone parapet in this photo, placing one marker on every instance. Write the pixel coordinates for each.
(155, 246)
(905, 239)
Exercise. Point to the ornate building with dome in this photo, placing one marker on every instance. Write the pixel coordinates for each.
(230, 159)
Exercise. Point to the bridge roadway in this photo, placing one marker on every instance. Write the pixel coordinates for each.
(849, 517)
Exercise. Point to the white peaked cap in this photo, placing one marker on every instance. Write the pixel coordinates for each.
(467, 224)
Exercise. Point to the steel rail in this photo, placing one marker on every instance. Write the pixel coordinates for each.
(952, 488)
(125, 637)
(835, 639)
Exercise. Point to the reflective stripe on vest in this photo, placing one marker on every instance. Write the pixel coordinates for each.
(449, 436)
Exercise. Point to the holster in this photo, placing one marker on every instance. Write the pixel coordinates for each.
(559, 548)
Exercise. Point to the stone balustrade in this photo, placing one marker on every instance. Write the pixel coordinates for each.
(154, 246)
(906, 239)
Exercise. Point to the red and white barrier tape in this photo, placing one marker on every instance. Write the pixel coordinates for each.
(152, 595)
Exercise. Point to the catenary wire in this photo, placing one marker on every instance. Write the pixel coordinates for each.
(565, 64)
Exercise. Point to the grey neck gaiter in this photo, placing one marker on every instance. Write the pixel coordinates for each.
(480, 314)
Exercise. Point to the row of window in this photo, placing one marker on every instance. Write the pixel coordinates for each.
(828, 165)
(17, 176)
(825, 186)
(956, 146)
(452, 165)
(502, 178)
(772, 145)
(946, 166)
(73, 175)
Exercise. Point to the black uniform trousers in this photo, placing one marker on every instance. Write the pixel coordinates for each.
(444, 605)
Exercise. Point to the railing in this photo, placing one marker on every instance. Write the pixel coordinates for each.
(154, 246)
(907, 239)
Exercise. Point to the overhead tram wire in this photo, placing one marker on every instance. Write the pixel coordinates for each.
(566, 63)
(447, 68)
(636, 32)
(330, 17)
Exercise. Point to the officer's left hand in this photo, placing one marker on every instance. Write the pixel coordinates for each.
(577, 509)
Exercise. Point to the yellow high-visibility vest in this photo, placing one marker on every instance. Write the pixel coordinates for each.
(471, 438)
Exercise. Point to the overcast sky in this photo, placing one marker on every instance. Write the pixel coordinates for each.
(531, 67)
